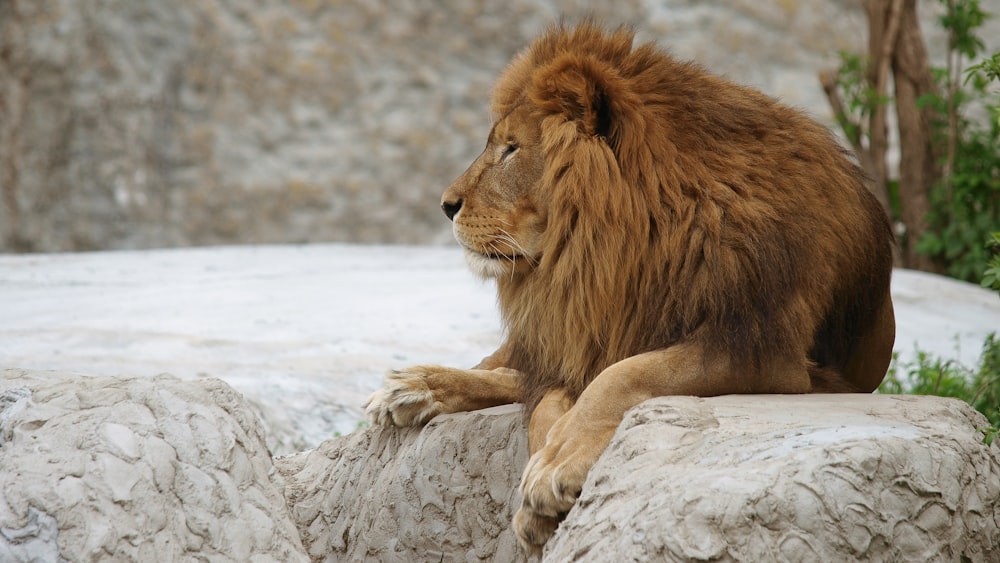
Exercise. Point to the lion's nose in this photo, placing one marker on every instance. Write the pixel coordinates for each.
(451, 208)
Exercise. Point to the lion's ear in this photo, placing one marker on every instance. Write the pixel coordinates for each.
(584, 89)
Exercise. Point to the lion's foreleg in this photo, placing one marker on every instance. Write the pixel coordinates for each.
(537, 527)
(553, 405)
(414, 395)
(556, 472)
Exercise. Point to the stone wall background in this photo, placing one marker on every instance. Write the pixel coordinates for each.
(157, 123)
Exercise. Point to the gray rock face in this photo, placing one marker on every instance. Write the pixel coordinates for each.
(445, 492)
(813, 478)
(148, 123)
(147, 469)
(739, 478)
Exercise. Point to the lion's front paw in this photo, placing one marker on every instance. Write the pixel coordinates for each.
(548, 491)
(533, 529)
(553, 479)
(404, 400)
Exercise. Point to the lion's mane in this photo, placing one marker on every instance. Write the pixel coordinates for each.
(683, 207)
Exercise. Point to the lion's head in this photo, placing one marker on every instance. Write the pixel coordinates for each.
(497, 206)
(550, 156)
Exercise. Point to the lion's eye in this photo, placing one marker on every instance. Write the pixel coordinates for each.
(509, 150)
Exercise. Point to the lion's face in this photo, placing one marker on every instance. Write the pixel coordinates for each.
(496, 205)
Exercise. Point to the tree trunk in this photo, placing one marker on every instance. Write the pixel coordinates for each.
(896, 46)
(920, 160)
(883, 30)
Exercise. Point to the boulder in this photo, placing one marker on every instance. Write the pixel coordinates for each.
(142, 469)
(445, 492)
(798, 478)
(791, 478)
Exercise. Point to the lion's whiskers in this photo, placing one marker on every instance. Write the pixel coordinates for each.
(516, 247)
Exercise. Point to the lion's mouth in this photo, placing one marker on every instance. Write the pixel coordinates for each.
(493, 254)
(502, 256)
(494, 264)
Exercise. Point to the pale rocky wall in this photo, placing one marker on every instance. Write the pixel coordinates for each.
(147, 123)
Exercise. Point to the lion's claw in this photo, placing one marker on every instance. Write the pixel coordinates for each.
(550, 488)
(404, 400)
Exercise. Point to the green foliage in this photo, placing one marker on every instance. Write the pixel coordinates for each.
(961, 20)
(991, 276)
(859, 94)
(966, 209)
(988, 69)
(928, 375)
(965, 205)
(989, 434)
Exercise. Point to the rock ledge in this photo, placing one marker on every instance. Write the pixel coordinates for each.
(95, 468)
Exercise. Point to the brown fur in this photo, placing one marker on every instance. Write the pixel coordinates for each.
(653, 229)
(684, 207)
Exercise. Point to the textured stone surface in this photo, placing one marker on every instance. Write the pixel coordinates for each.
(157, 469)
(147, 123)
(444, 492)
(145, 469)
(816, 478)
(150, 123)
(744, 478)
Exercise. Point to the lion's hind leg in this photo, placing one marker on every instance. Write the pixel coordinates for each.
(869, 361)
(412, 396)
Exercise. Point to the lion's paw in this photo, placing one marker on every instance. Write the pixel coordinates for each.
(551, 484)
(404, 400)
(533, 529)
(554, 478)
(547, 494)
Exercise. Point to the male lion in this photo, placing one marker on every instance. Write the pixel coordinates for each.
(653, 230)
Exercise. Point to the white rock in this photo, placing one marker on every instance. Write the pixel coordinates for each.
(135, 469)
(444, 491)
(813, 478)
(748, 478)
(161, 469)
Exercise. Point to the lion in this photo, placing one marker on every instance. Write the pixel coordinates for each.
(653, 230)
